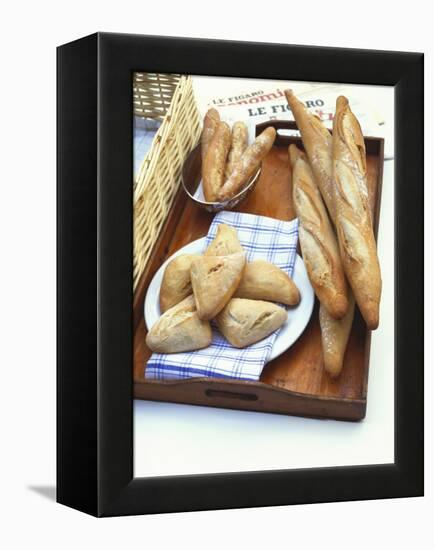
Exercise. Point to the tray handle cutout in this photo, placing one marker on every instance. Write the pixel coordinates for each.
(231, 395)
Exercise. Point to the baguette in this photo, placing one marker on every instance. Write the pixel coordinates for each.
(240, 138)
(210, 123)
(248, 164)
(317, 238)
(353, 217)
(213, 168)
(318, 144)
(334, 337)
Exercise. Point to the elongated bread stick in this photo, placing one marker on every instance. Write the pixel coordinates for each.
(317, 142)
(214, 164)
(240, 138)
(317, 239)
(210, 123)
(334, 337)
(353, 217)
(248, 163)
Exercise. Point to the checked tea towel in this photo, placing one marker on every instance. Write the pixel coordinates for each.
(263, 239)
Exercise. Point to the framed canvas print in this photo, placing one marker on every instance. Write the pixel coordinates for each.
(240, 288)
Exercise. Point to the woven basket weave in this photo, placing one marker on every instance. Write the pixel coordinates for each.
(159, 176)
(152, 94)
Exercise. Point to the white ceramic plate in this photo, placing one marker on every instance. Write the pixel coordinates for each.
(298, 317)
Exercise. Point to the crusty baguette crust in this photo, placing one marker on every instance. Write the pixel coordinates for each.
(353, 217)
(317, 238)
(214, 163)
(318, 143)
(214, 280)
(240, 139)
(176, 283)
(248, 164)
(225, 242)
(334, 337)
(210, 123)
(179, 329)
(244, 322)
(263, 280)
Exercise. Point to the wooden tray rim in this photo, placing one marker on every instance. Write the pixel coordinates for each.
(244, 384)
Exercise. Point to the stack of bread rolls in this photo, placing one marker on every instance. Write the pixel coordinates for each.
(336, 235)
(228, 161)
(220, 285)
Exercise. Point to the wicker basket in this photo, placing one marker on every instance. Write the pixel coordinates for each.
(152, 94)
(159, 176)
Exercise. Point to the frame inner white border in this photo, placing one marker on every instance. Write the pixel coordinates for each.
(172, 439)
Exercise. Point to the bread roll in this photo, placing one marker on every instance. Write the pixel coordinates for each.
(210, 123)
(214, 280)
(262, 280)
(179, 329)
(317, 239)
(240, 140)
(244, 322)
(214, 163)
(248, 164)
(225, 242)
(334, 337)
(353, 217)
(318, 143)
(176, 283)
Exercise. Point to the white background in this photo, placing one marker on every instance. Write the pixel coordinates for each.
(171, 439)
(30, 32)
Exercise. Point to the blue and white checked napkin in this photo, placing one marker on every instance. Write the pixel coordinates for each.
(263, 239)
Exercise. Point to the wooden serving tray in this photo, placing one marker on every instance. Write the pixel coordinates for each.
(295, 382)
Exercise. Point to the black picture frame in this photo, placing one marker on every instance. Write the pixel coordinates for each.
(94, 296)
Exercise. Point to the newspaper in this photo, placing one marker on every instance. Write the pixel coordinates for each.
(256, 101)
(269, 103)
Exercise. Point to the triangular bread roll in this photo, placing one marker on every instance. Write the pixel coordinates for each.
(264, 281)
(225, 242)
(176, 284)
(179, 329)
(214, 280)
(244, 322)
